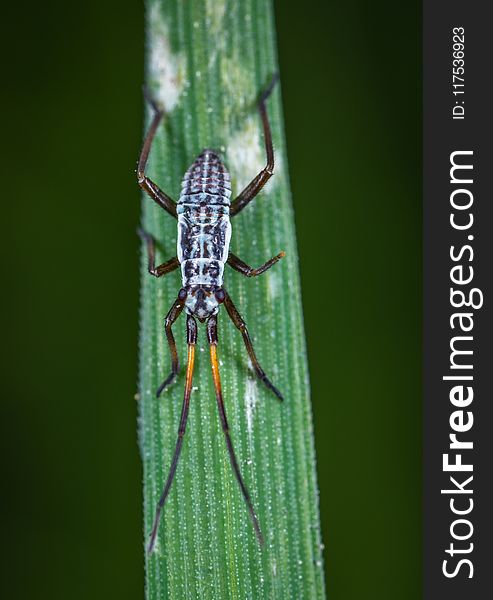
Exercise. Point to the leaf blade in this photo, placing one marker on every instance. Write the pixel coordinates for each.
(218, 55)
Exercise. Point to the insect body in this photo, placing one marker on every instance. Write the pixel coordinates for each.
(204, 232)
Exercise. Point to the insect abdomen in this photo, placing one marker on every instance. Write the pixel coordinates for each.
(204, 228)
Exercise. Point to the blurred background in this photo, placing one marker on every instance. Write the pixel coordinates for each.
(72, 128)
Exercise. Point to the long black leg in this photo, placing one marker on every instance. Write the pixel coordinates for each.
(254, 187)
(192, 340)
(163, 269)
(238, 265)
(241, 325)
(145, 183)
(173, 314)
(212, 338)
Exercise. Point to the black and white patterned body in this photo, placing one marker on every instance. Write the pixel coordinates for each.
(204, 232)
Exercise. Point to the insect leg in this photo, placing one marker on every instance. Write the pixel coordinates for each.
(238, 265)
(241, 325)
(212, 338)
(173, 314)
(192, 340)
(160, 270)
(254, 187)
(162, 199)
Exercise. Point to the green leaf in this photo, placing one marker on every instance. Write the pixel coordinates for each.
(207, 61)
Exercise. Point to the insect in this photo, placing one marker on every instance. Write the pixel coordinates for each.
(204, 232)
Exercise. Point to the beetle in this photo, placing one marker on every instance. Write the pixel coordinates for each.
(203, 213)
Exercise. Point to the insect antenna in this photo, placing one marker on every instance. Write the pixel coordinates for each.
(192, 340)
(212, 338)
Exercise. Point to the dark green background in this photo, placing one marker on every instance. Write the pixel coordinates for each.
(72, 116)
